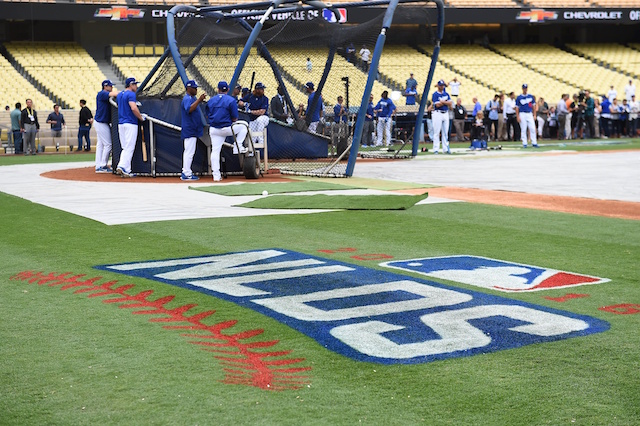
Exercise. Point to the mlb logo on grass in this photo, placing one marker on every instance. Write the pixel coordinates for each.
(331, 17)
(493, 274)
(366, 314)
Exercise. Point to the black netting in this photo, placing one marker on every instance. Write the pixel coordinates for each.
(290, 53)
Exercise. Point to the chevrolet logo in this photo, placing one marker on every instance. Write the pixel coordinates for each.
(537, 15)
(118, 13)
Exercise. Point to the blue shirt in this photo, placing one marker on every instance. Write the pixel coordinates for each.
(411, 96)
(255, 103)
(191, 122)
(369, 112)
(493, 113)
(222, 111)
(316, 113)
(58, 119)
(336, 114)
(125, 114)
(387, 107)
(439, 97)
(103, 109)
(476, 108)
(605, 106)
(525, 103)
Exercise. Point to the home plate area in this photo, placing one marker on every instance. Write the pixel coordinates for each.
(112, 200)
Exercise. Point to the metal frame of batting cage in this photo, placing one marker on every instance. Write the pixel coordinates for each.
(257, 9)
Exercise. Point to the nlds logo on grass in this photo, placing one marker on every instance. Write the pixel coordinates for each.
(363, 313)
(493, 274)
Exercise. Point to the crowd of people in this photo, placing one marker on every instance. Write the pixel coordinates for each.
(523, 117)
(527, 118)
(25, 127)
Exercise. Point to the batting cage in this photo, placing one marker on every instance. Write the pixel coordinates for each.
(302, 56)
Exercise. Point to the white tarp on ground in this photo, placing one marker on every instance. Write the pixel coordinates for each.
(604, 175)
(119, 202)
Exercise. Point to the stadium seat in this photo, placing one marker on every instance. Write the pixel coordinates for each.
(77, 75)
(617, 56)
(575, 71)
(15, 88)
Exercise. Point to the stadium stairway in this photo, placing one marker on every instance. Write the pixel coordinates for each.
(108, 71)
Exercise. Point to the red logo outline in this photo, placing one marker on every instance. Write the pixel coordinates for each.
(537, 15)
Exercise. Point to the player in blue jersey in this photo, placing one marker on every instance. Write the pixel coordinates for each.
(222, 113)
(440, 118)
(257, 105)
(411, 94)
(102, 123)
(526, 112)
(318, 111)
(368, 128)
(191, 127)
(385, 109)
(128, 116)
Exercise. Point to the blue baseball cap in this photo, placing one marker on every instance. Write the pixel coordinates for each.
(441, 83)
(239, 87)
(131, 80)
(260, 86)
(245, 90)
(191, 83)
(107, 83)
(309, 85)
(223, 85)
(525, 85)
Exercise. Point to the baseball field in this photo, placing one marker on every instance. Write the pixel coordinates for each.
(509, 296)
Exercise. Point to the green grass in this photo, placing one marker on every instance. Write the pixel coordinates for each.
(345, 202)
(8, 160)
(273, 188)
(68, 359)
(553, 145)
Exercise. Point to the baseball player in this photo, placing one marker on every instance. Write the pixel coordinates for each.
(367, 130)
(222, 112)
(191, 127)
(440, 118)
(102, 123)
(128, 116)
(257, 105)
(318, 112)
(384, 108)
(526, 113)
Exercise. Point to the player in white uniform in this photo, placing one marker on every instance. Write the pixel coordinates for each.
(440, 118)
(526, 112)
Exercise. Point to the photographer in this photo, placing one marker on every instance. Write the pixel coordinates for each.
(577, 108)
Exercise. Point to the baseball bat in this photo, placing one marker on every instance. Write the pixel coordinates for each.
(253, 77)
(144, 144)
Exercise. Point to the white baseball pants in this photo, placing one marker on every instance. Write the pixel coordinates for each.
(527, 123)
(258, 125)
(103, 146)
(217, 139)
(440, 130)
(187, 155)
(128, 136)
(384, 127)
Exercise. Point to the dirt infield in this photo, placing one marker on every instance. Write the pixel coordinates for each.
(88, 174)
(575, 205)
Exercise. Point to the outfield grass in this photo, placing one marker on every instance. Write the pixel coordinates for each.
(69, 359)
